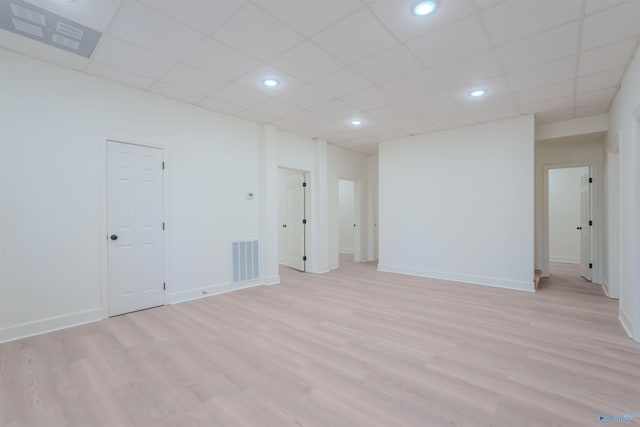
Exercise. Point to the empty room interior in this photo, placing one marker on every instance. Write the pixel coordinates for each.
(319, 212)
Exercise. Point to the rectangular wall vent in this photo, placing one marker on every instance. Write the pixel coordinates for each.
(47, 27)
(245, 260)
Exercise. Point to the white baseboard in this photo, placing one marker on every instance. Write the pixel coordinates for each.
(321, 269)
(346, 251)
(564, 259)
(193, 294)
(605, 288)
(497, 282)
(37, 327)
(272, 280)
(625, 322)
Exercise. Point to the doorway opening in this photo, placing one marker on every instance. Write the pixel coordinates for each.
(292, 218)
(347, 224)
(135, 227)
(570, 219)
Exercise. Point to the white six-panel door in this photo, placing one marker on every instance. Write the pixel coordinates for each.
(295, 230)
(135, 227)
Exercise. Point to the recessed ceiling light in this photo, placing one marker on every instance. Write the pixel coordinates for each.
(423, 8)
(356, 122)
(477, 92)
(270, 82)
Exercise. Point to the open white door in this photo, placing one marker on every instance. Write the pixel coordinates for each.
(585, 226)
(135, 227)
(294, 226)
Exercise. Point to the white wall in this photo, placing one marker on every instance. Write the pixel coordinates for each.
(565, 214)
(458, 205)
(372, 207)
(623, 163)
(55, 124)
(346, 216)
(575, 151)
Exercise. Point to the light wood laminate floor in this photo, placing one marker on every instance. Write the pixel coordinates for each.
(353, 347)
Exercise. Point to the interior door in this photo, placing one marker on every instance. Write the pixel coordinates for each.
(135, 227)
(585, 227)
(295, 228)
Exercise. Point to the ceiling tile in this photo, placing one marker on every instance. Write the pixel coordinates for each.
(94, 14)
(307, 62)
(496, 87)
(598, 97)
(239, 95)
(342, 82)
(399, 18)
(592, 110)
(542, 94)
(305, 96)
(385, 132)
(606, 80)
(493, 109)
(356, 37)
(606, 58)
(220, 106)
(483, 4)
(201, 15)
(543, 75)
(611, 25)
(193, 80)
(540, 48)
(108, 72)
(309, 17)
(438, 100)
(450, 43)
(413, 86)
(257, 33)
(554, 116)
(414, 125)
(333, 110)
(254, 78)
(27, 46)
(479, 66)
(275, 109)
(125, 56)
(369, 98)
(255, 116)
(389, 65)
(512, 20)
(151, 30)
(594, 6)
(215, 58)
(550, 105)
(173, 92)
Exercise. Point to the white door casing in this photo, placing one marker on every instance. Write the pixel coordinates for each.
(295, 215)
(585, 226)
(135, 227)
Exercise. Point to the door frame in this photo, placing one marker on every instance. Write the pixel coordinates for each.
(596, 213)
(104, 224)
(357, 214)
(306, 230)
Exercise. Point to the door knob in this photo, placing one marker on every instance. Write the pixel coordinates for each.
(114, 237)
(578, 228)
(284, 225)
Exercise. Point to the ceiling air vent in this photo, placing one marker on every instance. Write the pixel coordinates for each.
(39, 24)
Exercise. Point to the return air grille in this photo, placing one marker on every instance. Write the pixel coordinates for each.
(47, 27)
(245, 260)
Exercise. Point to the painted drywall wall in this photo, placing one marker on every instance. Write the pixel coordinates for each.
(458, 205)
(345, 164)
(576, 151)
(623, 160)
(565, 214)
(372, 165)
(346, 216)
(55, 126)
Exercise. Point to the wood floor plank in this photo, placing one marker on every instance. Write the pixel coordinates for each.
(353, 347)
